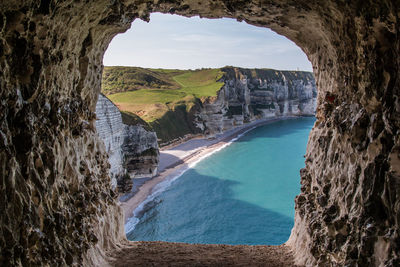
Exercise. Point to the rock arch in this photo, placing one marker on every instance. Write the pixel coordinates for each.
(57, 205)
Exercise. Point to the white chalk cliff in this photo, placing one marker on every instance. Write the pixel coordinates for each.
(132, 149)
(110, 129)
(250, 94)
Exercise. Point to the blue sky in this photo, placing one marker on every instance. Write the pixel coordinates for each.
(176, 42)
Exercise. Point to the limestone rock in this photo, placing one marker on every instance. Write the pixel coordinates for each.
(111, 130)
(132, 149)
(140, 151)
(57, 205)
(250, 94)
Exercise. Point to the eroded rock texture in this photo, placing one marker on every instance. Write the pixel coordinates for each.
(249, 94)
(140, 151)
(110, 128)
(132, 149)
(57, 206)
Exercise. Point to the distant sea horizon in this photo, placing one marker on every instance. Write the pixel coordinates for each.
(242, 194)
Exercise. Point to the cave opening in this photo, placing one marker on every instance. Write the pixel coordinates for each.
(57, 206)
(141, 71)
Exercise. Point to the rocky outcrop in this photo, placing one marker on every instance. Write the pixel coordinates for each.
(132, 149)
(246, 95)
(57, 203)
(250, 94)
(111, 130)
(139, 149)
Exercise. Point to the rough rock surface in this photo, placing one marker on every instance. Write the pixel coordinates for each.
(111, 130)
(133, 150)
(180, 254)
(140, 151)
(57, 204)
(250, 94)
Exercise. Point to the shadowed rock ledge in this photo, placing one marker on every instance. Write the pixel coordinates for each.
(57, 204)
(180, 254)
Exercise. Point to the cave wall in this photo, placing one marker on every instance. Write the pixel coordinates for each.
(57, 206)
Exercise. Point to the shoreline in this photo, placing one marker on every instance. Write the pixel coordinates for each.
(183, 156)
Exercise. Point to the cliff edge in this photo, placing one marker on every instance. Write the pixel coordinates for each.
(131, 145)
(177, 103)
(249, 94)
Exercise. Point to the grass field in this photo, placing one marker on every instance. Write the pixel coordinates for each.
(123, 79)
(151, 93)
(200, 83)
(164, 97)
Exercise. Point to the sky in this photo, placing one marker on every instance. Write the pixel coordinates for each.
(176, 42)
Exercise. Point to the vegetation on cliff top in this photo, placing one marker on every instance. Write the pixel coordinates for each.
(123, 79)
(160, 98)
(129, 118)
(165, 98)
(151, 93)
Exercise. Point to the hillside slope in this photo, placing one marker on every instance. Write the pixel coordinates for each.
(180, 102)
(123, 79)
(151, 93)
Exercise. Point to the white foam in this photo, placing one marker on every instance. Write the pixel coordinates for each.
(157, 190)
(131, 224)
(168, 181)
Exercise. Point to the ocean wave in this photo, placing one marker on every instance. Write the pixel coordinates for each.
(131, 224)
(150, 202)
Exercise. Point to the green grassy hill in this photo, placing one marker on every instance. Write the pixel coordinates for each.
(122, 79)
(166, 99)
(162, 98)
(151, 93)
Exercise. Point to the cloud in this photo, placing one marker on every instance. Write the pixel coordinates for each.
(171, 41)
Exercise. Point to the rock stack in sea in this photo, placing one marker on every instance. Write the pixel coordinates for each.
(131, 145)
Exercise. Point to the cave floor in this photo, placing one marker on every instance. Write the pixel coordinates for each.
(180, 254)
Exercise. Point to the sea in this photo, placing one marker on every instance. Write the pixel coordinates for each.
(241, 194)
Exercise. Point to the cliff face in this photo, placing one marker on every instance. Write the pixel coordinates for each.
(57, 204)
(140, 151)
(133, 150)
(111, 130)
(250, 94)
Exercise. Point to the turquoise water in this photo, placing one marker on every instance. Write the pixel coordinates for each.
(243, 194)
